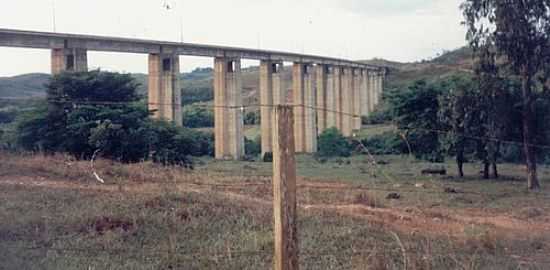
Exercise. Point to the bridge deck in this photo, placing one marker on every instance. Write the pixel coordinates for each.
(47, 40)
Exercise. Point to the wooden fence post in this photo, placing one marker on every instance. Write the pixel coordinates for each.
(285, 256)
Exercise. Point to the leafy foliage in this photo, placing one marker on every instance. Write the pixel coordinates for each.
(519, 33)
(7, 116)
(195, 116)
(98, 111)
(378, 116)
(387, 143)
(333, 144)
(252, 118)
(175, 145)
(415, 110)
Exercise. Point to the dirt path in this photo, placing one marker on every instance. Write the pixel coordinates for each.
(409, 220)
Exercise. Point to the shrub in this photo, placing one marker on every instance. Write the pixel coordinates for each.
(174, 145)
(387, 143)
(122, 131)
(253, 147)
(197, 117)
(379, 116)
(333, 144)
(252, 118)
(7, 116)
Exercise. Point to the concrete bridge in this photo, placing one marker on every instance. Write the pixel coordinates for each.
(327, 92)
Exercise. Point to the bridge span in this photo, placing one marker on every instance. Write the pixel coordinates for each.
(327, 92)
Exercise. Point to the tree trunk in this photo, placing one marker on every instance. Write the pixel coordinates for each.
(527, 119)
(494, 160)
(495, 170)
(460, 163)
(486, 166)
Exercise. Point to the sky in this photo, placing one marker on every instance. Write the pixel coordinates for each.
(398, 30)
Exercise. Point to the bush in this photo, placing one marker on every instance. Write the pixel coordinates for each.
(252, 118)
(253, 147)
(416, 111)
(377, 117)
(175, 145)
(197, 117)
(194, 94)
(388, 143)
(7, 116)
(333, 144)
(122, 131)
(197, 86)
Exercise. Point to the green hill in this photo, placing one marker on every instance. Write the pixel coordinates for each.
(24, 86)
(197, 85)
(447, 64)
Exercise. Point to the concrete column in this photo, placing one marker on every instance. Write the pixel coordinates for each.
(347, 102)
(364, 93)
(228, 111)
(280, 87)
(338, 84)
(378, 87)
(381, 86)
(69, 60)
(305, 128)
(164, 93)
(322, 95)
(270, 95)
(356, 99)
(372, 90)
(330, 98)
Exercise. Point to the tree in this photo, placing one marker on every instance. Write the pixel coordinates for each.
(197, 116)
(333, 144)
(90, 111)
(415, 110)
(519, 31)
(458, 110)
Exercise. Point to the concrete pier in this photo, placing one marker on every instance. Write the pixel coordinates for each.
(337, 90)
(322, 97)
(378, 88)
(364, 93)
(305, 128)
(164, 93)
(271, 93)
(69, 60)
(228, 111)
(347, 102)
(330, 98)
(372, 91)
(356, 99)
(338, 97)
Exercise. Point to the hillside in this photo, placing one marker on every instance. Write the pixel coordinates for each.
(24, 86)
(449, 63)
(197, 85)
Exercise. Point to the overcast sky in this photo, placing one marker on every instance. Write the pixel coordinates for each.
(400, 30)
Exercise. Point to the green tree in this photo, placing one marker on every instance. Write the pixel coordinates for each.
(174, 145)
(458, 110)
(519, 32)
(100, 111)
(333, 144)
(415, 111)
(196, 116)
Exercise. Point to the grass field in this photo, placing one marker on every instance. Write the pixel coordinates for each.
(55, 215)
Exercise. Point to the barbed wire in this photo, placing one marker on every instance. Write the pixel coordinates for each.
(246, 253)
(243, 107)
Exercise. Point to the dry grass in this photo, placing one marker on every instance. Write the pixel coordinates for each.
(55, 215)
